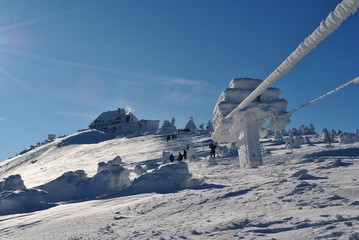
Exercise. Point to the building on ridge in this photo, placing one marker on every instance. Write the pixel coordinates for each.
(123, 122)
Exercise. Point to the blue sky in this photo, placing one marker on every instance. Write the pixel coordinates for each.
(64, 62)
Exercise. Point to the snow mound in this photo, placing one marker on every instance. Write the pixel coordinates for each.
(69, 186)
(110, 177)
(15, 198)
(139, 170)
(21, 201)
(87, 137)
(166, 178)
(303, 175)
(13, 182)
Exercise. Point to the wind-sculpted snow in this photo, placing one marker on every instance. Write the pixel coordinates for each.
(111, 178)
(13, 182)
(15, 198)
(69, 186)
(87, 137)
(310, 193)
(24, 200)
(168, 177)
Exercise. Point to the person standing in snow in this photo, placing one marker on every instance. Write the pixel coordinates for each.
(172, 158)
(184, 154)
(213, 149)
(180, 156)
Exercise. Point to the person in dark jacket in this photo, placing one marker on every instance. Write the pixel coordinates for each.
(172, 158)
(184, 153)
(180, 156)
(213, 147)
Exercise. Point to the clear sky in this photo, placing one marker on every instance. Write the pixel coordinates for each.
(63, 62)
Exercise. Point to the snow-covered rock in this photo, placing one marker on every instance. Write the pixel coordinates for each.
(13, 182)
(69, 186)
(25, 200)
(139, 170)
(111, 177)
(167, 177)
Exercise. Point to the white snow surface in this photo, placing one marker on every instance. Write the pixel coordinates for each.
(312, 193)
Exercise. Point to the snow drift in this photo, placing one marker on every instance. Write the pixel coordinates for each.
(168, 177)
(111, 179)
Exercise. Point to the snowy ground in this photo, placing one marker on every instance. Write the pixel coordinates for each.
(312, 193)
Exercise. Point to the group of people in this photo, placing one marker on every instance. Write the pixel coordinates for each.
(173, 137)
(180, 156)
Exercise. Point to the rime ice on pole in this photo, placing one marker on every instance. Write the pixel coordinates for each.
(244, 126)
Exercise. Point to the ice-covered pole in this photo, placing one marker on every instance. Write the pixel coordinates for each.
(342, 11)
(354, 81)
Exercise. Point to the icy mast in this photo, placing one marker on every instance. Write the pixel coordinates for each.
(244, 126)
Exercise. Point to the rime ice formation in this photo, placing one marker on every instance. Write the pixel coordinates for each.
(244, 126)
(191, 126)
(167, 127)
(243, 120)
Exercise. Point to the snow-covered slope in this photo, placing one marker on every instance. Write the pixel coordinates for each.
(312, 193)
